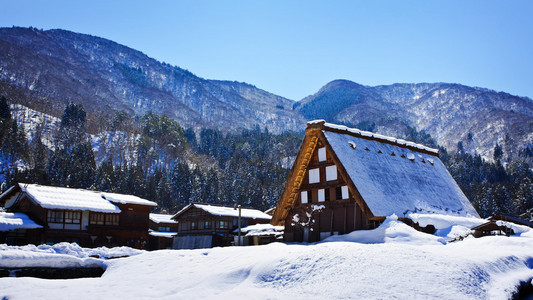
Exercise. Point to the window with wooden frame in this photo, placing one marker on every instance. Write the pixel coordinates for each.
(331, 173)
(97, 218)
(72, 217)
(322, 154)
(207, 224)
(321, 195)
(194, 225)
(327, 195)
(103, 219)
(303, 197)
(345, 194)
(55, 216)
(314, 175)
(111, 219)
(223, 224)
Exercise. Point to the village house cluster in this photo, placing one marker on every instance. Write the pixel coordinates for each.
(343, 179)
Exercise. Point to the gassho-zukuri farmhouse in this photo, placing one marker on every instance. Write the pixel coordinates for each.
(345, 179)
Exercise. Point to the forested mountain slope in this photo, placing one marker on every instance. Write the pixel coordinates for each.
(46, 69)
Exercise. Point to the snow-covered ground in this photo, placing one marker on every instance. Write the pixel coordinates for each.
(398, 262)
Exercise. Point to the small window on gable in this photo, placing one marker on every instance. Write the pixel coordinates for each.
(331, 173)
(321, 195)
(322, 154)
(338, 193)
(303, 197)
(314, 175)
(345, 192)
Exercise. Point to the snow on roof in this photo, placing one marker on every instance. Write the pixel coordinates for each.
(68, 198)
(390, 183)
(163, 234)
(375, 136)
(444, 221)
(127, 199)
(228, 211)
(261, 229)
(160, 218)
(78, 199)
(12, 221)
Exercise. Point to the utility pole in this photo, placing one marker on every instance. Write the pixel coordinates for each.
(238, 206)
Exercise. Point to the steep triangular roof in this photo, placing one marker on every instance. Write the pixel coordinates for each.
(391, 175)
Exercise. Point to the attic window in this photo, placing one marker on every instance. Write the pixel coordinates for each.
(322, 154)
(352, 144)
(331, 173)
(392, 154)
(344, 192)
(314, 175)
(321, 195)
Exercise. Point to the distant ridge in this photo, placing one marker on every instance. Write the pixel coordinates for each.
(44, 70)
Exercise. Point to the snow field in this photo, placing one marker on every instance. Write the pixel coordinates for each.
(401, 263)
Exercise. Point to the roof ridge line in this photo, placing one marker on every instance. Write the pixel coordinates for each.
(322, 124)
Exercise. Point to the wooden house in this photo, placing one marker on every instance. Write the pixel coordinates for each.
(205, 226)
(88, 218)
(500, 225)
(345, 179)
(162, 231)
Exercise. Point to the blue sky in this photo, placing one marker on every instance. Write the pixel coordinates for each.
(292, 48)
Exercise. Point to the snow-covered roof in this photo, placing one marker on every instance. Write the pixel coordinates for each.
(375, 136)
(394, 179)
(12, 221)
(261, 229)
(77, 199)
(127, 199)
(160, 218)
(227, 211)
(163, 234)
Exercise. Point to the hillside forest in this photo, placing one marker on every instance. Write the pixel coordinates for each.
(153, 157)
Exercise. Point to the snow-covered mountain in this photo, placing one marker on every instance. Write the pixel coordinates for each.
(43, 70)
(46, 69)
(450, 113)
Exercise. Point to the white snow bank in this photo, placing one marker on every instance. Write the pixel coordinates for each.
(485, 268)
(61, 255)
(390, 231)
